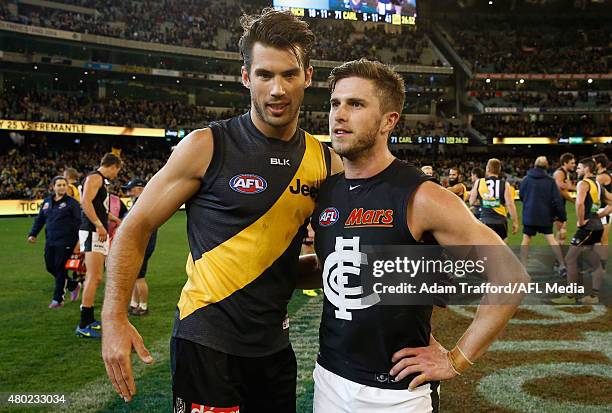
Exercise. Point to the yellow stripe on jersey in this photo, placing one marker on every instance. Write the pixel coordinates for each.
(489, 198)
(594, 192)
(241, 259)
(466, 194)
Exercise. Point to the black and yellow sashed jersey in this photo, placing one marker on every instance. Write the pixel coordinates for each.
(245, 227)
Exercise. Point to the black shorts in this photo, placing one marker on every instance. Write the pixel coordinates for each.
(204, 379)
(143, 267)
(500, 229)
(585, 237)
(532, 230)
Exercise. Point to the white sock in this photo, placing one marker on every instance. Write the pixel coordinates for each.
(143, 306)
(133, 303)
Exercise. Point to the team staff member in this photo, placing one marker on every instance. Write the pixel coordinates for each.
(592, 203)
(140, 296)
(93, 236)
(541, 204)
(239, 178)
(456, 186)
(496, 199)
(62, 216)
(371, 355)
(564, 183)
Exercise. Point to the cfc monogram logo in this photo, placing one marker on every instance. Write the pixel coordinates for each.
(342, 266)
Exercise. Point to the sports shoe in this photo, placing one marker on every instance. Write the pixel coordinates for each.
(564, 299)
(132, 310)
(96, 325)
(310, 293)
(88, 332)
(143, 311)
(56, 304)
(590, 299)
(74, 294)
(563, 272)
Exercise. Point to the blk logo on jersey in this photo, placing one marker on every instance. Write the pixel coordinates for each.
(198, 408)
(248, 184)
(370, 218)
(341, 267)
(328, 217)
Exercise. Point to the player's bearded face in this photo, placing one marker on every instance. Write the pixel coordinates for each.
(277, 82)
(355, 117)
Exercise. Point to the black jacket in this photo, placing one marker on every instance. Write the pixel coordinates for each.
(62, 219)
(542, 202)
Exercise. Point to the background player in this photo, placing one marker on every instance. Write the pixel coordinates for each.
(564, 183)
(456, 186)
(496, 199)
(93, 236)
(590, 198)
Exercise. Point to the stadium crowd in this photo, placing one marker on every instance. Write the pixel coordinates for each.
(215, 26)
(555, 127)
(514, 45)
(581, 99)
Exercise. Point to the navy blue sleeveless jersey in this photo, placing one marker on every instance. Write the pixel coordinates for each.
(358, 340)
(100, 204)
(245, 227)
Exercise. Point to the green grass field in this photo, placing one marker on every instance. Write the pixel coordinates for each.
(40, 353)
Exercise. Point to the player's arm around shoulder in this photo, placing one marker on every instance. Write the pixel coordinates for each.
(427, 211)
(336, 162)
(174, 184)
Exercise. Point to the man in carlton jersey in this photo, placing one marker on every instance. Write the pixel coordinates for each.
(372, 357)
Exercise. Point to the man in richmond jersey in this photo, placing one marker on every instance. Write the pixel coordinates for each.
(376, 358)
(565, 185)
(249, 184)
(592, 203)
(456, 186)
(496, 198)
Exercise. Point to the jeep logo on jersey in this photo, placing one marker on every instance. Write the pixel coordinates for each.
(328, 217)
(248, 184)
(304, 189)
(342, 266)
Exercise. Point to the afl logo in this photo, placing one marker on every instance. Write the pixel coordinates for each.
(248, 184)
(328, 217)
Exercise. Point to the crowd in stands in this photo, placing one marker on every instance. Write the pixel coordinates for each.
(531, 46)
(581, 99)
(216, 26)
(26, 171)
(555, 127)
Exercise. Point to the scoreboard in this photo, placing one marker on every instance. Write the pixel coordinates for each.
(345, 10)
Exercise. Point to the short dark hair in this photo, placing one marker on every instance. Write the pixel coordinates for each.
(589, 163)
(279, 29)
(388, 82)
(110, 159)
(566, 157)
(58, 178)
(478, 172)
(454, 168)
(601, 158)
(71, 173)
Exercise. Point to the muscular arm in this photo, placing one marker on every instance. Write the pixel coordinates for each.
(90, 189)
(460, 229)
(564, 187)
(607, 210)
(174, 184)
(581, 193)
(510, 203)
(336, 162)
(456, 189)
(474, 193)
(309, 276)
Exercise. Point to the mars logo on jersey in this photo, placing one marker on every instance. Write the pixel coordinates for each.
(370, 218)
(248, 184)
(198, 408)
(328, 217)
